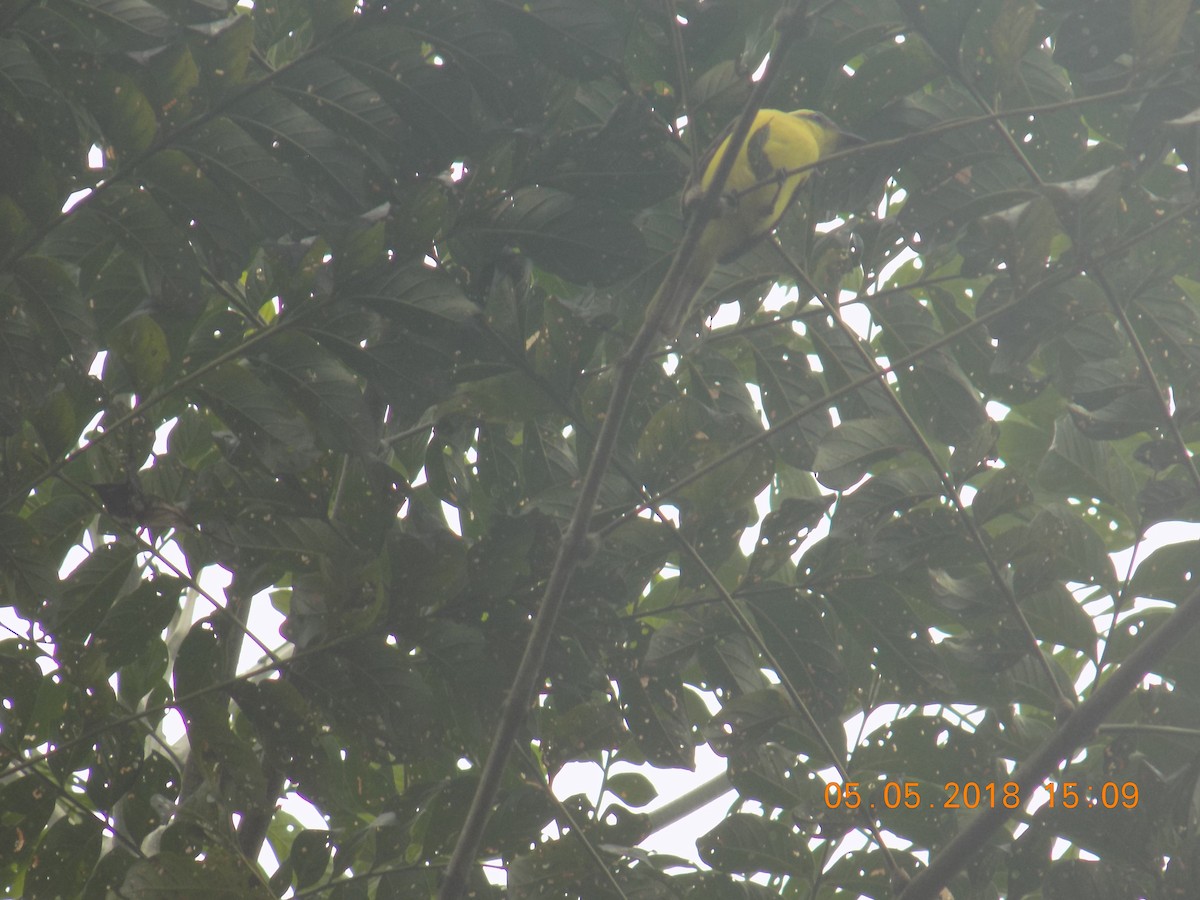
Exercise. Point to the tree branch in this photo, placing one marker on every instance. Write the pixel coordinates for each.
(1080, 725)
(573, 546)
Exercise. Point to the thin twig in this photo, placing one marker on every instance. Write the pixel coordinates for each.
(1063, 274)
(1168, 421)
(577, 831)
(949, 488)
(140, 409)
(107, 179)
(795, 700)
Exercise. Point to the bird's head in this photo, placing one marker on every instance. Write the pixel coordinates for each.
(829, 136)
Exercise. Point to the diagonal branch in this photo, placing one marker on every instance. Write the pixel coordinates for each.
(574, 543)
(1169, 423)
(1078, 727)
(1056, 277)
(949, 488)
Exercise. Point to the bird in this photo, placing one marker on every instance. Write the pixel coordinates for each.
(757, 192)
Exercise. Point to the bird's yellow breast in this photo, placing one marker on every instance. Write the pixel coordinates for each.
(770, 165)
(758, 189)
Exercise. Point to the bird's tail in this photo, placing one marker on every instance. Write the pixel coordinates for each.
(678, 293)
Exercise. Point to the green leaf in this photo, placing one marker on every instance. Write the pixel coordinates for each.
(747, 720)
(124, 112)
(938, 393)
(849, 451)
(27, 807)
(141, 346)
(342, 102)
(1021, 237)
(173, 871)
(305, 537)
(1005, 33)
(881, 620)
(580, 241)
(957, 179)
(320, 386)
(310, 856)
(789, 385)
(1088, 207)
(802, 640)
(21, 78)
(782, 531)
(512, 397)
(1135, 411)
(841, 365)
(772, 775)
(169, 79)
(744, 844)
(1157, 29)
(259, 414)
(633, 788)
(141, 226)
(64, 321)
(582, 39)
(1057, 617)
(655, 712)
(197, 668)
(416, 297)
(579, 732)
(186, 192)
(304, 142)
(883, 78)
(130, 24)
(137, 619)
(1169, 573)
(1088, 41)
(99, 582)
(265, 189)
(56, 422)
(628, 162)
(223, 53)
(1077, 467)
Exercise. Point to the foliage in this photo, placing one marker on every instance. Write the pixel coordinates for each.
(351, 265)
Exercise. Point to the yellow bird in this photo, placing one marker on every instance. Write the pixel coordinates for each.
(760, 187)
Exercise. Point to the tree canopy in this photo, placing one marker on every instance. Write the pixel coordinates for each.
(345, 299)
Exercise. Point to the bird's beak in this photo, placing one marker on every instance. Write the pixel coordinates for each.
(848, 139)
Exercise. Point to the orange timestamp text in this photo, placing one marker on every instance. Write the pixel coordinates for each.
(977, 795)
